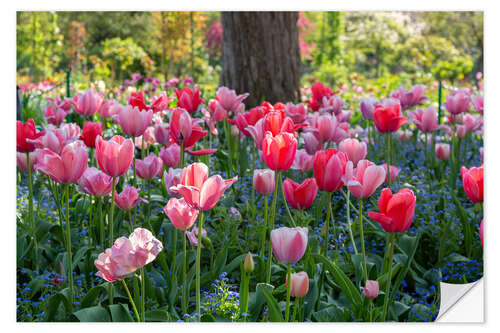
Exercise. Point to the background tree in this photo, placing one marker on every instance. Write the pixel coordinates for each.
(260, 55)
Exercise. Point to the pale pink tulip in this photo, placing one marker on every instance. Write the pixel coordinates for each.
(228, 99)
(133, 121)
(331, 104)
(299, 285)
(95, 182)
(66, 168)
(442, 151)
(355, 150)
(257, 132)
(365, 179)
(312, 143)
(149, 167)
(371, 290)
(22, 162)
(298, 113)
(88, 103)
(263, 181)
(193, 235)
(289, 244)
(162, 133)
(425, 120)
(303, 161)
(171, 179)
(180, 213)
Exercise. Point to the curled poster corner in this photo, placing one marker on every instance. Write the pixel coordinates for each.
(461, 303)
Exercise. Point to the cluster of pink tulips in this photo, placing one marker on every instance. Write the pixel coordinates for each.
(315, 139)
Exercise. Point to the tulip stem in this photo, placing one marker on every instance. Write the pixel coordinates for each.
(362, 236)
(295, 306)
(130, 221)
(388, 158)
(181, 153)
(184, 286)
(288, 284)
(349, 225)
(110, 222)
(131, 301)
(30, 210)
(327, 222)
(389, 273)
(286, 203)
(101, 223)
(135, 181)
(271, 226)
(68, 249)
(264, 231)
(174, 251)
(198, 259)
(143, 295)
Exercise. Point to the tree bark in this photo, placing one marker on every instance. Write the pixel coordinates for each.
(261, 55)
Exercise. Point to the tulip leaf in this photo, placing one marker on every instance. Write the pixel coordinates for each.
(331, 313)
(92, 295)
(120, 313)
(311, 298)
(207, 318)
(158, 316)
(93, 314)
(265, 291)
(342, 280)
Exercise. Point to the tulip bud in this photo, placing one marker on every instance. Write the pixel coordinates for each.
(371, 290)
(248, 264)
(235, 131)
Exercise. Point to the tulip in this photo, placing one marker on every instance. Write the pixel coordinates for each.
(189, 99)
(198, 190)
(365, 179)
(425, 120)
(149, 167)
(442, 151)
(162, 133)
(54, 139)
(461, 131)
(396, 211)
(300, 196)
(202, 152)
(472, 180)
(218, 113)
(371, 289)
(478, 102)
(133, 121)
(318, 92)
(248, 264)
(228, 99)
(289, 244)
(393, 171)
(25, 133)
(114, 156)
(90, 132)
(354, 150)
(257, 132)
(410, 98)
(54, 115)
(276, 122)
(263, 181)
(312, 143)
(170, 156)
(279, 151)
(22, 161)
(128, 198)
(180, 213)
(367, 106)
(66, 168)
(388, 117)
(299, 285)
(471, 122)
(88, 103)
(329, 167)
(95, 182)
(331, 104)
(404, 135)
(171, 179)
(180, 124)
(457, 102)
(193, 235)
(71, 131)
(303, 161)
(298, 113)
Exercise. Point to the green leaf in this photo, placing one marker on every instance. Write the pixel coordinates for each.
(93, 314)
(311, 298)
(207, 318)
(158, 316)
(92, 295)
(409, 245)
(274, 309)
(342, 280)
(119, 313)
(79, 255)
(329, 314)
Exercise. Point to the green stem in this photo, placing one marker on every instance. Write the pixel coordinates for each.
(143, 295)
(289, 282)
(362, 236)
(174, 251)
(388, 158)
(264, 231)
(30, 210)
(130, 221)
(68, 249)
(101, 223)
(110, 222)
(389, 273)
(198, 262)
(286, 203)
(295, 306)
(271, 226)
(348, 208)
(181, 152)
(327, 221)
(131, 301)
(184, 285)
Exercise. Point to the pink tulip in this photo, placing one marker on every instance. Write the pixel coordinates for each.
(128, 198)
(193, 235)
(329, 168)
(365, 179)
(331, 104)
(393, 170)
(461, 131)
(372, 289)
(457, 102)
(114, 156)
(471, 122)
(145, 243)
(22, 161)
(133, 121)
(180, 213)
(54, 115)
(298, 113)
(323, 126)
(218, 113)
(149, 167)
(300, 196)
(66, 168)
(170, 155)
(409, 98)
(54, 139)
(425, 120)
(172, 178)
(354, 149)
(263, 181)
(198, 190)
(162, 133)
(228, 99)
(181, 124)
(303, 161)
(257, 132)
(341, 133)
(95, 182)
(70, 130)
(299, 285)
(404, 135)
(442, 151)
(478, 102)
(312, 143)
(289, 244)
(367, 106)
(88, 103)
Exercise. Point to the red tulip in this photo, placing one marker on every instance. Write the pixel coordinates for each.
(114, 156)
(198, 190)
(472, 180)
(396, 211)
(189, 99)
(90, 132)
(276, 122)
(24, 132)
(279, 151)
(180, 213)
(66, 168)
(202, 152)
(387, 116)
(181, 124)
(318, 92)
(300, 196)
(329, 168)
(250, 118)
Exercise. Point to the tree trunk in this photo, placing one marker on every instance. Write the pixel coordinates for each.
(260, 55)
